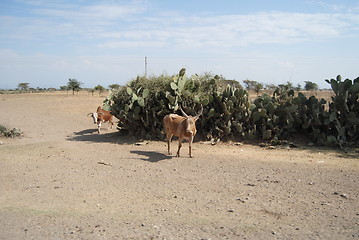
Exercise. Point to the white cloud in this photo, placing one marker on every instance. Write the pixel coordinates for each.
(94, 12)
(130, 26)
(348, 7)
(133, 44)
(239, 30)
(220, 43)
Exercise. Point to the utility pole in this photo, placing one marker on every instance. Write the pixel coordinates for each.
(146, 67)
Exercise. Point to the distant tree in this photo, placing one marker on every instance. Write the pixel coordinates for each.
(23, 87)
(250, 84)
(258, 87)
(289, 85)
(286, 87)
(253, 85)
(74, 85)
(310, 86)
(114, 86)
(271, 86)
(39, 89)
(225, 82)
(65, 88)
(298, 88)
(100, 89)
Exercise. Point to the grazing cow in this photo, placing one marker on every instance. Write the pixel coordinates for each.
(101, 116)
(183, 127)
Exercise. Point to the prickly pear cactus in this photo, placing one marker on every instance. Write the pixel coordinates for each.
(228, 113)
(343, 117)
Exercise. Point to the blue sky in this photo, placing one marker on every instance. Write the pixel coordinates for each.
(45, 43)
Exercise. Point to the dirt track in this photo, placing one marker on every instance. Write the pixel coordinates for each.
(62, 180)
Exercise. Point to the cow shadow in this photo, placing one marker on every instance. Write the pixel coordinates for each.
(91, 135)
(85, 132)
(151, 156)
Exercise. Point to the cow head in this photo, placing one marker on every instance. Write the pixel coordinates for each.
(94, 116)
(190, 123)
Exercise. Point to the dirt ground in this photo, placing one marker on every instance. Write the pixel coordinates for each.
(63, 180)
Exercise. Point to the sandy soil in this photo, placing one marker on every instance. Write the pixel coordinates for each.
(62, 180)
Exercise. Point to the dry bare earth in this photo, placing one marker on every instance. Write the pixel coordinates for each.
(64, 181)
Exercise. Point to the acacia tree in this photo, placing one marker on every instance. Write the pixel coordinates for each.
(310, 86)
(100, 89)
(114, 86)
(23, 86)
(253, 85)
(74, 85)
(258, 87)
(65, 88)
(250, 84)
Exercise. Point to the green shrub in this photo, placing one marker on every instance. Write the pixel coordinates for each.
(141, 105)
(4, 131)
(228, 113)
(342, 119)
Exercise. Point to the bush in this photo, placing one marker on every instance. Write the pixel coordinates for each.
(4, 131)
(228, 113)
(141, 105)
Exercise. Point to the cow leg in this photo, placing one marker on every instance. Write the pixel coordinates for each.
(169, 137)
(179, 147)
(110, 124)
(98, 127)
(190, 147)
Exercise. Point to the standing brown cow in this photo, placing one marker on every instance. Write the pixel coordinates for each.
(183, 127)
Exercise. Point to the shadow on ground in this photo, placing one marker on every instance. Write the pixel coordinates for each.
(152, 156)
(91, 135)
